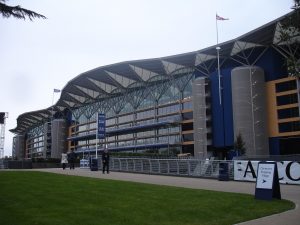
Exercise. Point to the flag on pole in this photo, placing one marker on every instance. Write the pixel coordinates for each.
(56, 90)
(218, 56)
(220, 18)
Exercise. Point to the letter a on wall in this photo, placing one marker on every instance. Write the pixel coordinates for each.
(267, 182)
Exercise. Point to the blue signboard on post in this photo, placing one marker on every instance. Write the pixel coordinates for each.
(101, 126)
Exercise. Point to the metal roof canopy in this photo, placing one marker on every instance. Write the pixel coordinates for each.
(110, 80)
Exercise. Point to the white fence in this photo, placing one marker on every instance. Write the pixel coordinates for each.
(2, 164)
(289, 171)
(176, 167)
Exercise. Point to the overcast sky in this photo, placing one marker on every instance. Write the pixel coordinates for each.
(79, 35)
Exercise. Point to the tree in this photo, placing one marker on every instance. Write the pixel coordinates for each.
(296, 4)
(288, 41)
(18, 12)
(239, 144)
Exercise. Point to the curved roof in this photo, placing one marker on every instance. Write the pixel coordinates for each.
(109, 80)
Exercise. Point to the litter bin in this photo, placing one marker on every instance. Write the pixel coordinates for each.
(223, 171)
(94, 164)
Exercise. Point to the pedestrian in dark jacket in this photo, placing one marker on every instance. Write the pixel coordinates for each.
(105, 161)
(71, 159)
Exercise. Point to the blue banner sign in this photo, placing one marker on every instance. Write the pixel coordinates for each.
(101, 126)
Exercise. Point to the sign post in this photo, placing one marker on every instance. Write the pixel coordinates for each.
(100, 134)
(267, 182)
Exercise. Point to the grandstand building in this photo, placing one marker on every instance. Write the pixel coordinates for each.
(178, 104)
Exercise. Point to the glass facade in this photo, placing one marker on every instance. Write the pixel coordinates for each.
(35, 144)
(155, 117)
(149, 121)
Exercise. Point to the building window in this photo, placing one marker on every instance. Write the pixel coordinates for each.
(289, 126)
(145, 114)
(288, 113)
(173, 118)
(126, 119)
(174, 139)
(151, 121)
(187, 116)
(286, 86)
(169, 109)
(125, 136)
(208, 111)
(188, 137)
(145, 134)
(111, 121)
(209, 136)
(287, 99)
(187, 105)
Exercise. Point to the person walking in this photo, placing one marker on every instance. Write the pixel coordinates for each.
(64, 160)
(71, 159)
(105, 161)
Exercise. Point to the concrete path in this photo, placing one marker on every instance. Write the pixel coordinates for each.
(289, 192)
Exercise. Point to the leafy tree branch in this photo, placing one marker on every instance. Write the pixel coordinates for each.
(18, 12)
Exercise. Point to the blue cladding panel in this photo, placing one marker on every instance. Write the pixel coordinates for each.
(274, 146)
(273, 65)
(222, 120)
(227, 100)
(217, 113)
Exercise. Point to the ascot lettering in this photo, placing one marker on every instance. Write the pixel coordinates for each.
(288, 171)
(280, 178)
(249, 165)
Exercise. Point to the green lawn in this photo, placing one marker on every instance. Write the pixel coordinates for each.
(50, 199)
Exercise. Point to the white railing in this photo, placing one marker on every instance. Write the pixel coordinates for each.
(176, 167)
(1, 164)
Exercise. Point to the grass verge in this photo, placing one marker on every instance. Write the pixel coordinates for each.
(49, 199)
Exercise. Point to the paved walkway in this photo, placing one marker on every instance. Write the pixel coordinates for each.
(290, 192)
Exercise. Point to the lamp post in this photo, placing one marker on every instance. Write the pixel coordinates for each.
(54, 91)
